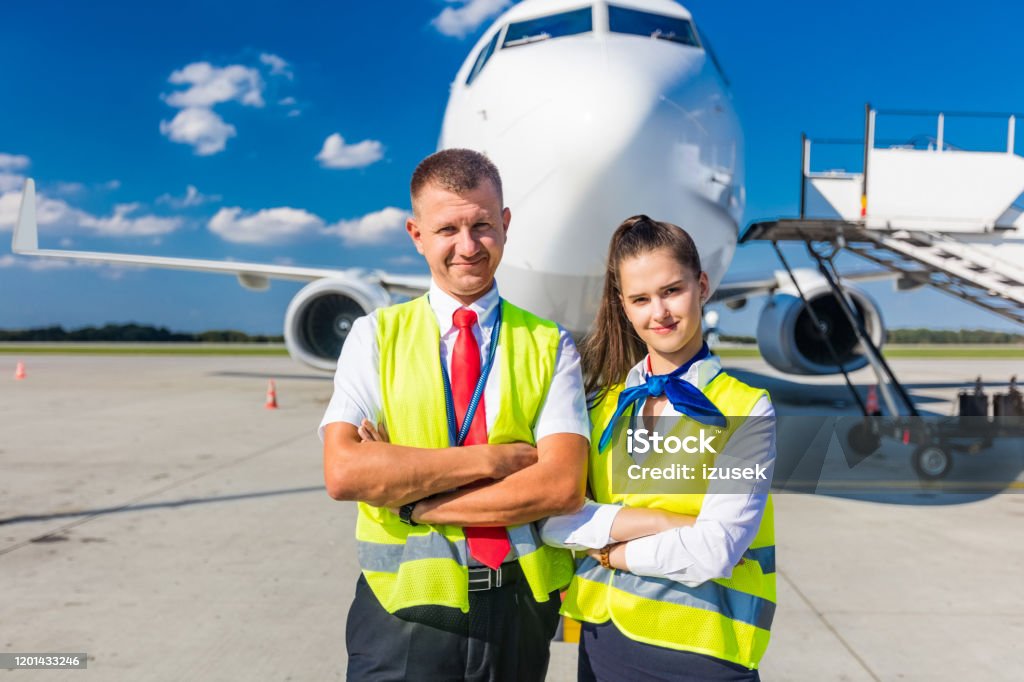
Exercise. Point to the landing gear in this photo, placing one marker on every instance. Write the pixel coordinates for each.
(863, 439)
(932, 462)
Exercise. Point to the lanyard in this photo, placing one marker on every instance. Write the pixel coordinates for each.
(459, 437)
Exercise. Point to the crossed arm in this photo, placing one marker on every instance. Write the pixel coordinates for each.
(526, 483)
(632, 523)
(591, 529)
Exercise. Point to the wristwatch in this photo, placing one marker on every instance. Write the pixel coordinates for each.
(603, 557)
(405, 514)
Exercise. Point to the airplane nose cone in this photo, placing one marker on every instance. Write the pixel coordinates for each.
(587, 140)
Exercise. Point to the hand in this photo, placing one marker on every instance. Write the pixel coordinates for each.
(371, 433)
(509, 458)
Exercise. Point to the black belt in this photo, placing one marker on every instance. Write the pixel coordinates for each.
(484, 578)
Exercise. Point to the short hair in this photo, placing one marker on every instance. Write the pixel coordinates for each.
(455, 170)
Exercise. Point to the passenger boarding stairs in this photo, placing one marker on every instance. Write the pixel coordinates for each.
(932, 214)
(958, 268)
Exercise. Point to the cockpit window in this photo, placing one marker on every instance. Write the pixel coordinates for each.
(481, 59)
(554, 26)
(635, 22)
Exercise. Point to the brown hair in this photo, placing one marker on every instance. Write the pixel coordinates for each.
(612, 347)
(456, 170)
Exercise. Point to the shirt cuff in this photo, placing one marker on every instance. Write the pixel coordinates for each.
(644, 556)
(597, 532)
(589, 528)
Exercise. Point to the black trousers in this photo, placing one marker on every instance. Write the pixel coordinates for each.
(607, 655)
(506, 636)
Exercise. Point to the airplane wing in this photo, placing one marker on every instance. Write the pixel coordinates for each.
(734, 291)
(254, 276)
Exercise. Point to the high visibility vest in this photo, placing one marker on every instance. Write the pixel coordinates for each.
(727, 618)
(428, 564)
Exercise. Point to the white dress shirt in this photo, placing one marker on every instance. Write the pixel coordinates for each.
(357, 378)
(727, 522)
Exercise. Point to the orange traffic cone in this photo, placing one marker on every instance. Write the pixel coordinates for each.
(872, 403)
(271, 403)
(19, 371)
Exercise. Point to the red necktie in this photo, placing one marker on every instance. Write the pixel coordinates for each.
(488, 545)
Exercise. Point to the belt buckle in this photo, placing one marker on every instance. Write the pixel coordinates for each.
(491, 578)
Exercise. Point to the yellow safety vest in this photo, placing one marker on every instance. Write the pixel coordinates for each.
(415, 565)
(727, 618)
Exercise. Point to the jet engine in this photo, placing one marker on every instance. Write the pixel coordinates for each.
(786, 333)
(321, 315)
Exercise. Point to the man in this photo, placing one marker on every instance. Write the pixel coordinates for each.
(456, 583)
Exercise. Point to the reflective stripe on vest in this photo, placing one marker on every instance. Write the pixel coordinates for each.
(727, 618)
(388, 558)
(709, 596)
(414, 565)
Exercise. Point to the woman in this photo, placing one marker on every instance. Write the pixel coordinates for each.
(678, 578)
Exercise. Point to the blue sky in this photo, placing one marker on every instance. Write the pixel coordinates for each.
(286, 132)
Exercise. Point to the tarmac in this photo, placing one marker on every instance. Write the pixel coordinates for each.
(155, 516)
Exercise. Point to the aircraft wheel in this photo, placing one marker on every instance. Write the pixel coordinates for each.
(932, 462)
(863, 439)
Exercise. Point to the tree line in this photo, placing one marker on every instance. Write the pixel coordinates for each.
(926, 336)
(138, 333)
(135, 333)
(922, 335)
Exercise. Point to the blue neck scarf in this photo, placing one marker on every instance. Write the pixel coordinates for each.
(686, 398)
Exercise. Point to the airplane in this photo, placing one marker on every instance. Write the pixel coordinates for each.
(593, 111)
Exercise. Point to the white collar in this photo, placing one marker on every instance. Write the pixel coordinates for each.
(444, 306)
(699, 374)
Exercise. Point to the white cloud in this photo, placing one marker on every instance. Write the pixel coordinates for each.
(67, 188)
(38, 264)
(120, 224)
(290, 102)
(462, 20)
(193, 197)
(268, 226)
(278, 66)
(9, 260)
(49, 212)
(404, 260)
(336, 154)
(13, 162)
(373, 228)
(206, 86)
(201, 128)
(210, 85)
(285, 224)
(72, 189)
(58, 216)
(11, 181)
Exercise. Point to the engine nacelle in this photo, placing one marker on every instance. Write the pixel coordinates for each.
(789, 342)
(320, 317)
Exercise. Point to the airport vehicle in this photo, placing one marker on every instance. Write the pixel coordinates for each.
(593, 112)
(970, 431)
